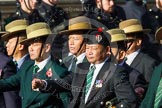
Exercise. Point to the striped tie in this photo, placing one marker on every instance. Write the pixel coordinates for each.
(89, 78)
(35, 69)
(158, 94)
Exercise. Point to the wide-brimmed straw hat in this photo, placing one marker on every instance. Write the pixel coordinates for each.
(80, 23)
(37, 30)
(158, 34)
(117, 35)
(14, 27)
(132, 26)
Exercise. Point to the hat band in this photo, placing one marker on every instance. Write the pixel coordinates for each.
(17, 28)
(133, 28)
(118, 37)
(39, 32)
(82, 25)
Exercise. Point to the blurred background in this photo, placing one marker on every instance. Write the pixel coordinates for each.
(72, 7)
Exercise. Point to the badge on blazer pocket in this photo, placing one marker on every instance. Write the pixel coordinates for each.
(98, 83)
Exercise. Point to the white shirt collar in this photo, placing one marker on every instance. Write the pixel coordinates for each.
(42, 64)
(80, 58)
(131, 57)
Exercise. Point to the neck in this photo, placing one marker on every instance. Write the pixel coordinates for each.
(40, 59)
(18, 56)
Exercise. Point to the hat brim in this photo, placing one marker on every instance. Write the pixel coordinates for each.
(7, 35)
(135, 31)
(67, 32)
(27, 41)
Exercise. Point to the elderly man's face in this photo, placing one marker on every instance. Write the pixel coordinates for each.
(96, 53)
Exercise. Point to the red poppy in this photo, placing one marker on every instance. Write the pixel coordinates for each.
(49, 73)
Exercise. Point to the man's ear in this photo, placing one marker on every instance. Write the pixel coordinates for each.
(122, 54)
(47, 48)
(108, 50)
(138, 42)
(21, 47)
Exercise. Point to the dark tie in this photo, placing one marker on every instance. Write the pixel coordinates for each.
(35, 69)
(89, 78)
(73, 64)
(15, 62)
(158, 94)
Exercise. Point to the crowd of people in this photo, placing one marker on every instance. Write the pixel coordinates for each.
(108, 56)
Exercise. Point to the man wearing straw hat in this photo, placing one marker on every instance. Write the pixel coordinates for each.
(44, 68)
(118, 49)
(77, 27)
(95, 81)
(7, 68)
(153, 97)
(135, 58)
(16, 32)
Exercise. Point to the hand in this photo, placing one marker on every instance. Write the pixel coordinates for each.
(37, 83)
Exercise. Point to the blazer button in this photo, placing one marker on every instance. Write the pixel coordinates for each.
(39, 104)
(101, 102)
(121, 105)
(22, 97)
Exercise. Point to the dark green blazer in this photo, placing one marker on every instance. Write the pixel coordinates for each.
(34, 99)
(149, 99)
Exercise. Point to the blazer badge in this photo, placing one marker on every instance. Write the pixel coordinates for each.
(99, 83)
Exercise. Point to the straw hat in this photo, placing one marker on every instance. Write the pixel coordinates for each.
(158, 34)
(117, 35)
(80, 23)
(14, 27)
(132, 26)
(36, 30)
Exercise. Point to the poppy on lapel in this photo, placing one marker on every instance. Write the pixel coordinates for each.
(49, 73)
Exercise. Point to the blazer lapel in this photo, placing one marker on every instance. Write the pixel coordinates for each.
(103, 76)
(79, 79)
(137, 59)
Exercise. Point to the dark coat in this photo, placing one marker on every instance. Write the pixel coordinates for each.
(135, 77)
(115, 84)
(30, 98)
(149, 99)
(7, 69)
(52, 15)
(109, 20)
(144, 64)
(20, 14)
(133, 10)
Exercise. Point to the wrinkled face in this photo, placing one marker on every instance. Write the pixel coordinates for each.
(34, 50)
(10, 46)
(107, 5)
(75, 41)
(96, 53)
